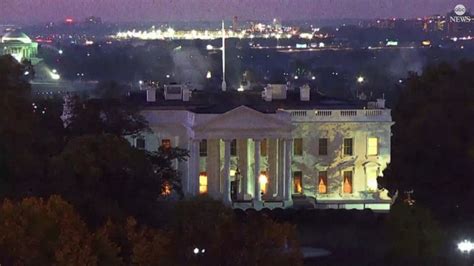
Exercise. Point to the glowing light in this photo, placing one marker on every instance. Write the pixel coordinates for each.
(69, 20)
(360, 79)
(89, 42)
(465, 246)
(203, 183)
(60, 52)
(195, 251)
(168, 76)
(209, 47)
(26, 73)
(240, 88)
(140, 82)
(208, 75)
(296, 77)
(313, 77)
(263, 180)
(54, 75)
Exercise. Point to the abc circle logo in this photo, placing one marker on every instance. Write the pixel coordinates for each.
(460, 10)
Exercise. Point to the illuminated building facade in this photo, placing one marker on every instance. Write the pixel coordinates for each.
(19, 46)
(278, 148)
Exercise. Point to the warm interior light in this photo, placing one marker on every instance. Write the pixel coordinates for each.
(263, 180)
(203, 183)
(372, 173)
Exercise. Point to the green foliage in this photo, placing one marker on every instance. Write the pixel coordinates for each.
(413, 233)
(433, 140)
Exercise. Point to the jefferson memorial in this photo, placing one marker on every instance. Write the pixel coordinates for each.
(20, 46)
(277, 148)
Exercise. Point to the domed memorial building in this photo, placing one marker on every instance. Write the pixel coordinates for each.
(20, 46)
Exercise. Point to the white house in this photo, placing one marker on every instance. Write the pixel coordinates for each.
(274, 149)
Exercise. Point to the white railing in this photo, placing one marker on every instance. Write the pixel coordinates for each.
(298, 113)
(341, 115)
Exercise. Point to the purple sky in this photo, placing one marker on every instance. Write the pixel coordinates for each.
(172, 10)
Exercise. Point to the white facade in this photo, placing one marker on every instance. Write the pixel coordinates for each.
(328, 158)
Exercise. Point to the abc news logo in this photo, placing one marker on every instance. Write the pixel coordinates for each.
(460, 11)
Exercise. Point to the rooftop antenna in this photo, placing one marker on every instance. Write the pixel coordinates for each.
(224, 85)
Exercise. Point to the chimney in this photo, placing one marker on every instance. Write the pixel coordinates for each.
(186, 94)
(305, 92)
(151, 94)
(267, 94)
(380, 103)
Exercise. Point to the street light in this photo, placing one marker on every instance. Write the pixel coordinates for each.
(360, 79)
(466, 246)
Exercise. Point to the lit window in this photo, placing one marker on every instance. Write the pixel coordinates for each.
(233, 147)
(347, 188)
(263, 147)
(372, 173)
(348, 146)
(298, 182)
(140, 143)
(323, 182)
(298, 147)
(263, 180)
(323, 146)
(203, 183)
(166, 189)
(166, 143)
(372, 146)
(203, 148)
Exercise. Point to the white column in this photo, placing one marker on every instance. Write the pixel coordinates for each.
(288, 186)
(257, 193)
(226, 172)
(194, 178)
(282, 170)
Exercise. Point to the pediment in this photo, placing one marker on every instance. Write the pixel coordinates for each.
(244, 118)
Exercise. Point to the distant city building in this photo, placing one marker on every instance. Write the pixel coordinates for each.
(20, 46)
(235, 23)
(279, 148)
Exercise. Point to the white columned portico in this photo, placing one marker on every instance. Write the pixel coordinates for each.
(288, 150)
(226, 172)
(257, 193)
(248, 127)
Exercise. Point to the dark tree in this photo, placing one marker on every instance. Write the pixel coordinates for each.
(17, 125)
(104, 176)
(433, 140)
(103, 116)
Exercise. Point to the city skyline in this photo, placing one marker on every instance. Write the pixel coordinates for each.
(35, 11)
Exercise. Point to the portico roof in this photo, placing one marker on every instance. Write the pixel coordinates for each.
(245, 122)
